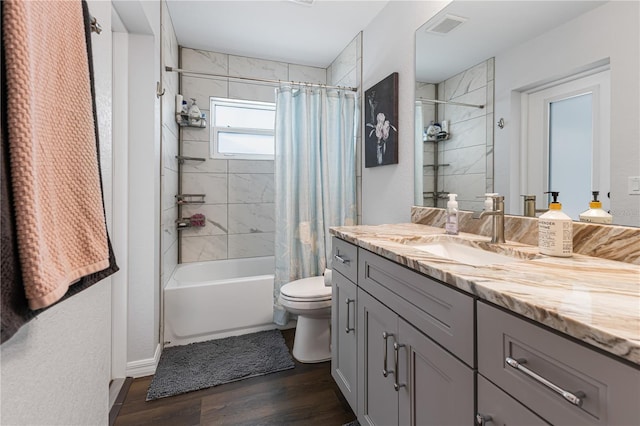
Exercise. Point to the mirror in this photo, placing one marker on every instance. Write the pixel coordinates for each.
(520, 60)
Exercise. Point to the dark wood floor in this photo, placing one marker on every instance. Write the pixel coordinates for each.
(304, 395)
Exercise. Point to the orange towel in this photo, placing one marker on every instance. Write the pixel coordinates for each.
(52, 147)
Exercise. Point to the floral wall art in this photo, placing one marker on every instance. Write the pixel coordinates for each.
(381, 115)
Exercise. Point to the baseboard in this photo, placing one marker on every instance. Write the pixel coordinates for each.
(144, 367)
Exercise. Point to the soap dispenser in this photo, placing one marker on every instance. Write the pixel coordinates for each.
(555, 230)
(595, 214)
(451, 227)
(488, 201)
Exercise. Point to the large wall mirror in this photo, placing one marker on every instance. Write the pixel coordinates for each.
(524, 97)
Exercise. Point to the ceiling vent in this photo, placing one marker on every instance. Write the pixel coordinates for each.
(303, 2)
(445, 25)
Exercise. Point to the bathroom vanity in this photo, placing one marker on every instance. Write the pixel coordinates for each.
(421, 339)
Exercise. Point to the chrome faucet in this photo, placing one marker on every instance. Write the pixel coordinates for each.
(498, 218)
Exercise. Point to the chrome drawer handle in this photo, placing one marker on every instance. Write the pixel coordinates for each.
(482, 419)
(396, 348)
(385, 336)
(341, 259)
(347, 328)
(574, 398)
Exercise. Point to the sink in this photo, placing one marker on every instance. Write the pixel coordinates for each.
(463, 253)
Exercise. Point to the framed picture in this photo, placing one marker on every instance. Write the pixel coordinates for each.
(381, 123)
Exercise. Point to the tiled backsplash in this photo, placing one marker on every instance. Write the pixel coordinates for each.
(605, 241)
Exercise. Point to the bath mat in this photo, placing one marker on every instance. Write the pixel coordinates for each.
(202, 365)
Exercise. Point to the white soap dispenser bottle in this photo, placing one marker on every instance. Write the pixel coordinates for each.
(555, 230)
(596, 213)
(451, 227)
(488, 200)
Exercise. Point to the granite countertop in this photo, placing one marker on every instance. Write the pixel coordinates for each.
(592, 299)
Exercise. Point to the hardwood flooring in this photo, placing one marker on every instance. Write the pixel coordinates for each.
(304, 395)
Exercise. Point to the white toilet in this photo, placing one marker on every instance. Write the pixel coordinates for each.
(310, 299)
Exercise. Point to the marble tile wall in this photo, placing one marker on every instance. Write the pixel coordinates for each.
(469, 151)
(346, 70)
(428, 91)
(170, 142)
(239, 202)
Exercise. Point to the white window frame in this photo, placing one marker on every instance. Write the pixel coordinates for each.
(214, 130)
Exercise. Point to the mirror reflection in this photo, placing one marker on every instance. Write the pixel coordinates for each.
(524, 97)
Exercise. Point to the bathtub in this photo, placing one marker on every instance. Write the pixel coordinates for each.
(210, 300)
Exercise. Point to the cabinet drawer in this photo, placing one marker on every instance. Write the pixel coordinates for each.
(609, 390)
(344, 258)
(501, 408)
(443, 314)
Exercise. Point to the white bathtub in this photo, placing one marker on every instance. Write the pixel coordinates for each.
(209, 300)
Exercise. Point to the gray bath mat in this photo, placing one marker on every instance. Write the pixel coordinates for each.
(201, 365)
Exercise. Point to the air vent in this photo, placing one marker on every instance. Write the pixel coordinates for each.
(445, 25)
(303, 2)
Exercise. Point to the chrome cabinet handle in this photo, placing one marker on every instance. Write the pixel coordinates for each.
(482, 419)
(347, 328)
(396, 349)
(574, 398)
(385, 336)
(341, 259)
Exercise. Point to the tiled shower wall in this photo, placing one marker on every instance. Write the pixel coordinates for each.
(469, 151)
(239, 200)
(428, 91)
(346, 70)
(170, 133)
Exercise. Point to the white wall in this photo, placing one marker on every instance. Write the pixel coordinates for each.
(610, 31)
(55, 370)
(142, 21)
(389, 46)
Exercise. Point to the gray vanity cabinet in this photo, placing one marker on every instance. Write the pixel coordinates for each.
(344, 313)
(404, 376)
(563, 382)
(496, 408)
(344, 337)
(377, 398)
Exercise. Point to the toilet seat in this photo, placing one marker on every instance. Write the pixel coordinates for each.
(310, 289)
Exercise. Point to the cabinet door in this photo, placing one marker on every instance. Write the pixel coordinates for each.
(496, 408)
(343, 337)
(436, 388)
(377, 399)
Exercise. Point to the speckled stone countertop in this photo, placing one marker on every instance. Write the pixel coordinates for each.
(592, 299)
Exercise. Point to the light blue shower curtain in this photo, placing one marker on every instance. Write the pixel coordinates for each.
(315, 179)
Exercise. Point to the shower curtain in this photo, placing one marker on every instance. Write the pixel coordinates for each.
(315, 179)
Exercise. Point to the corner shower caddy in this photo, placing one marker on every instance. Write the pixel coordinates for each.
(436, 195)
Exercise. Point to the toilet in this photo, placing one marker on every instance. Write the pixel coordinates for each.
(310, 299)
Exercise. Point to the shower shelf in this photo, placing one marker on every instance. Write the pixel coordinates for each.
(190, 198)
(182, 159)
(183, 120)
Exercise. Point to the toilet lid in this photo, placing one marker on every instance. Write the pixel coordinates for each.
(311, 288)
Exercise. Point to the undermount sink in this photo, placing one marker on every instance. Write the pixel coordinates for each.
(463, 253)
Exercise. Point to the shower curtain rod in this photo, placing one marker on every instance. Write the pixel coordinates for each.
(262, 80)
(435, 101)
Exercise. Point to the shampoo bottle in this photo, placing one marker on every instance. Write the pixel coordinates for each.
(451, 227)
(555, 231)
(595, 214)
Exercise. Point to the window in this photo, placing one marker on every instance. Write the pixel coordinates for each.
(242, 129)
